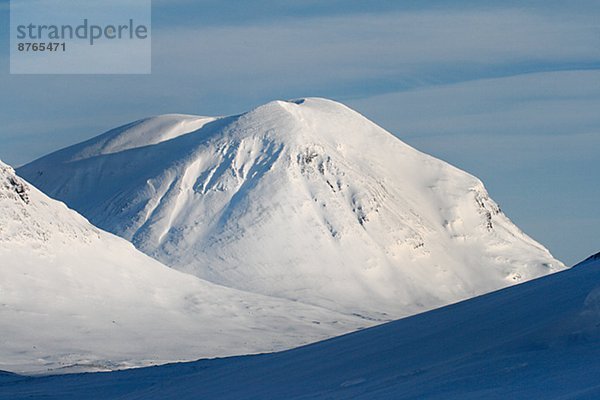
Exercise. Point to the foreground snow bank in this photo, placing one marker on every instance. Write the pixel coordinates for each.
(537, 340)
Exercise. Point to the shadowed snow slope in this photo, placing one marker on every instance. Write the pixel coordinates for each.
(305, 200)
(73, 297)
(537, 340)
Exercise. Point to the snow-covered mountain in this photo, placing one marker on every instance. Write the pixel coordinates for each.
(304, 200)
(74, 297)
(538, 340)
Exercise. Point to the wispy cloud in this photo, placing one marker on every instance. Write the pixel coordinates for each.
(406, 49)
(547, 103)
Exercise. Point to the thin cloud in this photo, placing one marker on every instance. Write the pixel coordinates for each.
(546, 103)
(414, 46)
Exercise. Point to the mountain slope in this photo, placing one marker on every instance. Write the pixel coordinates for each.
(305, 200)
(537, 340)
(74, 297)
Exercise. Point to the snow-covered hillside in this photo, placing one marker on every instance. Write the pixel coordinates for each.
(538, 340)
(73, 297)
(305, 200)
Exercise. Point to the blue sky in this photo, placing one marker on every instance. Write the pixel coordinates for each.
(507, 90)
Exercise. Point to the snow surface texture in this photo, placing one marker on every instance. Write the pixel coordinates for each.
(73, 297)
(538, 340)
(304, 200)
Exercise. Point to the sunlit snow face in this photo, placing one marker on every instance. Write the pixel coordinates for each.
(269, 202)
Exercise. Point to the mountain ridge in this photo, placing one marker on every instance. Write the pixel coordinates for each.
(75, 298)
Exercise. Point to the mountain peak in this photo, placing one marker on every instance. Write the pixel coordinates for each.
(303, 199)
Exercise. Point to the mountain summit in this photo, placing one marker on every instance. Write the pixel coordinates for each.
(305, 200)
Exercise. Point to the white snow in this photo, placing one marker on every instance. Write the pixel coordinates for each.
(141, 133)
(305, 200)
(537, 340)
(73, 297)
